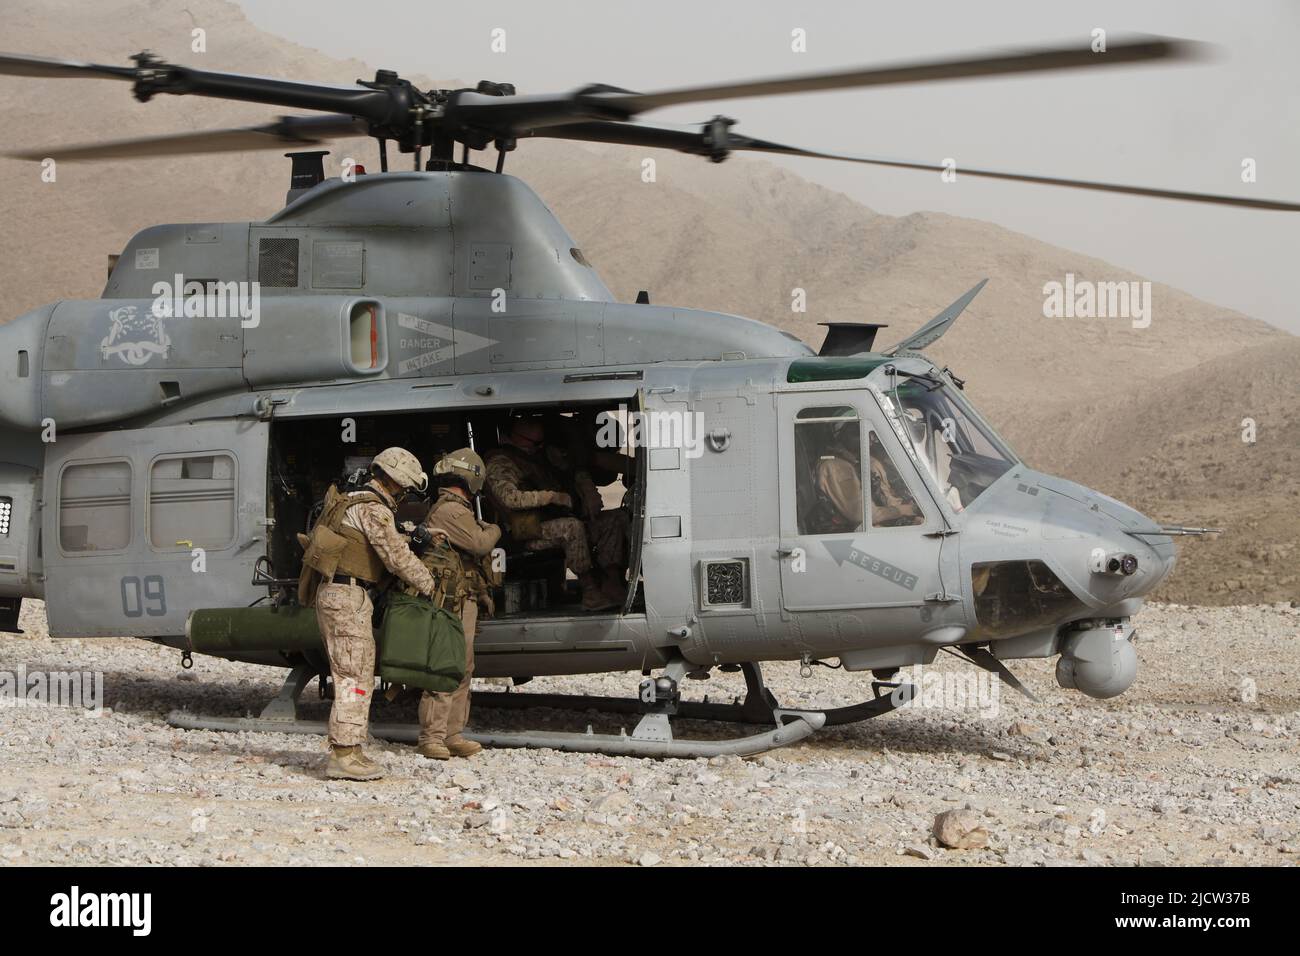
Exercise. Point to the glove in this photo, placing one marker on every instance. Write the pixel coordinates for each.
(562, 499)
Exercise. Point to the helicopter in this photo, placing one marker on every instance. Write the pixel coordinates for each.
(166, 444)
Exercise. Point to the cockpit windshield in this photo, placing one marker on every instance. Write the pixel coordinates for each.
(960, 452)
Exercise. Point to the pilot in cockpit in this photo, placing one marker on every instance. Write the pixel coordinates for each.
(839, 484)
(837, 480)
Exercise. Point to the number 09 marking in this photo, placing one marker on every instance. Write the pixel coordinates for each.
(147, 596)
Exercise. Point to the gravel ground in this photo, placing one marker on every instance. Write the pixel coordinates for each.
(1196, 764)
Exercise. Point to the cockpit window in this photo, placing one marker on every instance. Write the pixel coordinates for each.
(828, 483)
(962, 456)
(829, 476)
(892, 505)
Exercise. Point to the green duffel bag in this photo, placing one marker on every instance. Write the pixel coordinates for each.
(420, 644)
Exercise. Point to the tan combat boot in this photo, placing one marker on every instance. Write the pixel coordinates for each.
(349, 763)
(462, 746)
(366, 762)
(593, 598)
(434, 750)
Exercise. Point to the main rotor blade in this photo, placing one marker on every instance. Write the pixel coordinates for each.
(16, 64)
(519, 115)
(152, 76)
(1075, 56)
(697, 143)
(1184, 195)
(395, 108)
(288, 131)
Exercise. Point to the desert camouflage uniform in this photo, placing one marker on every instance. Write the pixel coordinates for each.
(515, 490)
(608, 534)
(343, 615)
(607, 530)
(444, 715)
(587, 466)
(512, 489)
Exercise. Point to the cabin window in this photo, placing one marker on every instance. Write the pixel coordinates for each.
(828, 482)
(892, 504)
(192, 501)
(95, 507)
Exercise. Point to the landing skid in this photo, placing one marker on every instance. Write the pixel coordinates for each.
(757, 707)
(652, 737)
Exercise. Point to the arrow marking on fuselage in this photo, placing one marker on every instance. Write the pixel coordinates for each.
(842, 550)
(456, 343)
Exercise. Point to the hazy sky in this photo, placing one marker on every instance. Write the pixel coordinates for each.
(1176, 126)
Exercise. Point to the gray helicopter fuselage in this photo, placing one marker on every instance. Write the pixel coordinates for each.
(458, 293)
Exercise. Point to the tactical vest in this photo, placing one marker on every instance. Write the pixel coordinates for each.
(356, 556)
(459, 575)
(442, 561)
(483, 577)
(525, 524)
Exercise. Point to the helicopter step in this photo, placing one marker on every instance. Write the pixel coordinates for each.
(658, 701)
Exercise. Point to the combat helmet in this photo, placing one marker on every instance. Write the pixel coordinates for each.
(463, 463)
(403, 467)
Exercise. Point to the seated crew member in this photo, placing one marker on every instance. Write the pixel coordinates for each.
(837, 482)
(531, 496)
(574, 449)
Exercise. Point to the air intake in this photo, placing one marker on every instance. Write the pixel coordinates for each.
(724, 584)
(277, 263)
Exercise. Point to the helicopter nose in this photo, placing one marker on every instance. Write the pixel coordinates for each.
(1112, 554)
(1123, 565)
(1137, 548)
